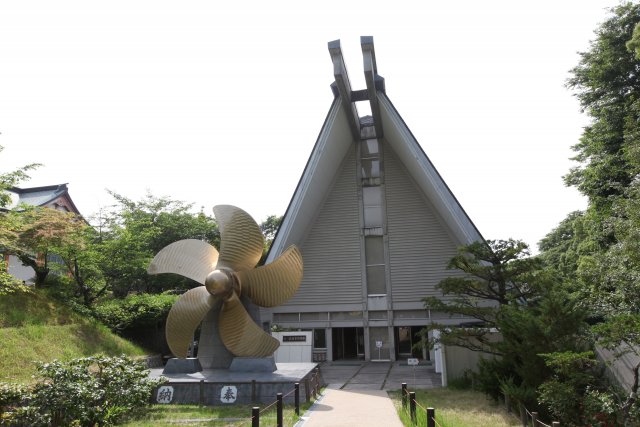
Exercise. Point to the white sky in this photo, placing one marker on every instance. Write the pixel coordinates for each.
(221, 102)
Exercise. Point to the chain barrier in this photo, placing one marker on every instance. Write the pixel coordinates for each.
(528, 415)
(313, 380)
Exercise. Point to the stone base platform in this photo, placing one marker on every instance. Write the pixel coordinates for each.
(223, 387)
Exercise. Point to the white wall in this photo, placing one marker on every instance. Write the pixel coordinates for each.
(297, 351)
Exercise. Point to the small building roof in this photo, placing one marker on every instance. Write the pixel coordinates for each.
(54, 196)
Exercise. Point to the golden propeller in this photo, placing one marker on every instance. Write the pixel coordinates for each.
(228, 275)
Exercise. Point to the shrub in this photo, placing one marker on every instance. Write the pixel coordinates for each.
(86, 392)
(11, 396)
(135, 311)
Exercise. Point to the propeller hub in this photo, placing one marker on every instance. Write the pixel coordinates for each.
(221, 283)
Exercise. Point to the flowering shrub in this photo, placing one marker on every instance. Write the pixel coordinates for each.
(89, 391)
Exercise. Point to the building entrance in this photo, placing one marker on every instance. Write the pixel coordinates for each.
(406, 337)
(347, 343)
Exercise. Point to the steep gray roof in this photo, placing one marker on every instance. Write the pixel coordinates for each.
(337, 135)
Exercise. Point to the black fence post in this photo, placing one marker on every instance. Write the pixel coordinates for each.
(404, 395)
(279, 410)
(412, 406)
(296, 398)
(253, 391)
(431, 417)
(255, 417)
(201, 392)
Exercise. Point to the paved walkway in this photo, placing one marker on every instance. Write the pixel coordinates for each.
(356, 394)
(342, 408)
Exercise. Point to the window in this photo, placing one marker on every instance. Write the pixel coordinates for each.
(374, 258)
(370, 148)
(319, 338)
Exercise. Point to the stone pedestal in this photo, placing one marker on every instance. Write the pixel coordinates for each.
(189, 365)
(253, 364)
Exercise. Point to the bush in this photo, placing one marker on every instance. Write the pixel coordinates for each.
(11, 396)
(135, 311)
(86, 392)
(8, 283)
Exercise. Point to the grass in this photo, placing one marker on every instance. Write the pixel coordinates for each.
(456, 408)
(35, 328)
(193, 415)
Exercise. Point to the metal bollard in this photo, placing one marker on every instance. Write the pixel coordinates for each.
(404, 395)
(255, 417)
(412, 406)
(279, 410)
(431, 417)
(296, 398)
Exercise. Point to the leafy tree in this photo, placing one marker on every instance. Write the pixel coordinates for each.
(13, 178)
(132, 232)
(269, 228)
(603, 249)
(607, 85)
(497, 273)
(576, 393)
(34, 234)
(516, 310)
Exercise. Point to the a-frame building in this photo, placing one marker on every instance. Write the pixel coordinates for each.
(376, 225)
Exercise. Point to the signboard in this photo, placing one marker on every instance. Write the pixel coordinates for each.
(294, 338)
(228, 394)
(165, 394)
(378, 344)
(412, 361)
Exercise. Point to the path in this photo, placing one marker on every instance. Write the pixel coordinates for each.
(356, 394)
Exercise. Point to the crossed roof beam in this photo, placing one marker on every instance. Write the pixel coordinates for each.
(342, 86)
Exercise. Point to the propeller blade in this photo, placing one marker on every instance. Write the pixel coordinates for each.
(241, 242)
(240, 334)
(190, 258)
(273, 284)
(185, 316)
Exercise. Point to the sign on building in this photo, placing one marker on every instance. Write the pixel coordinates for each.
(228, 394)
(165, 394)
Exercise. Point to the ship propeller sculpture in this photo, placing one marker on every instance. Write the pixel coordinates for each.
(228, 276)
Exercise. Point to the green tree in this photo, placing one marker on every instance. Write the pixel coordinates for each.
(607, 85)
(132, 232)
(603, 248)
(515, 309)
(35, 234)
(13, 178)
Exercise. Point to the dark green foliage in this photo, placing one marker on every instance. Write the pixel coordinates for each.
(576, 393)
(517, 310)
(607, 85)
(139, 318)
(130, 234)
(89, 391)
(135, 311)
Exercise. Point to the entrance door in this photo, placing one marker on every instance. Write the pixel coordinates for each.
(404, 341)
(348, 343)
(406, 338)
